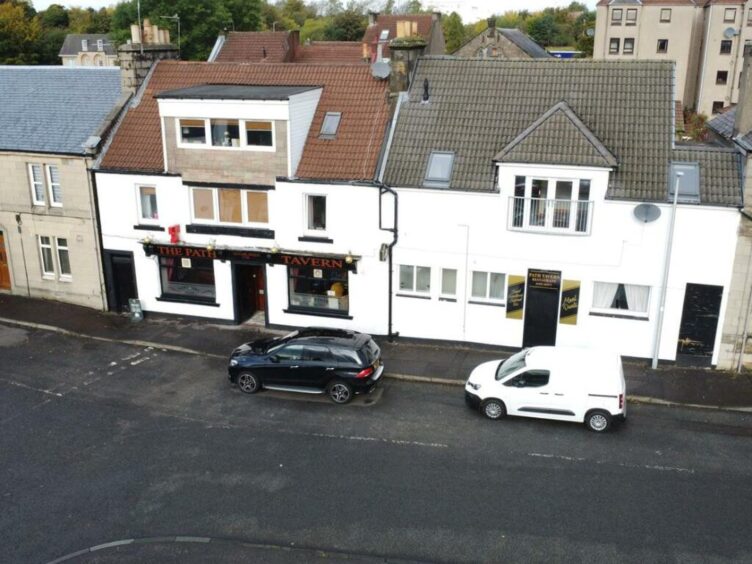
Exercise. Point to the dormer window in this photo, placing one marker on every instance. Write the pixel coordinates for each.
(193, 131)
(225, 133)
(551, 205)
(439, 171)
(330, 125)
(259, 133)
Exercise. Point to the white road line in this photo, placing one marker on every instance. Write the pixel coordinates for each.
(373, 439)
(20, 385)
(622, 464)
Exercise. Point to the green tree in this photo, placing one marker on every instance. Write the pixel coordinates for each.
(19, 32)
(297, 11)
(47, 47)
(245, 14)
(509, 20)
(454, 32)
(583, 42)
(541, 27)
(348, 25)
(315, 29)
(54, 16)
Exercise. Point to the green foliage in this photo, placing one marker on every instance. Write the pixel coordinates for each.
(245, 14)
(541, 27)
(454, 32)
(696, 126)
(554, 26)
(19, 33)
(348, 25)
(54, 16)
(316, 29)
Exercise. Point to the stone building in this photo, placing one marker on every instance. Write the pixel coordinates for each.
(501, 43)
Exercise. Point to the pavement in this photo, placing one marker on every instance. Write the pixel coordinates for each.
(405, 359)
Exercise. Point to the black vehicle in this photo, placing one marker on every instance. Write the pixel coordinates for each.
(315, 361)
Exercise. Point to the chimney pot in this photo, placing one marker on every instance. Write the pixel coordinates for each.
(372, 18)
(436, 16)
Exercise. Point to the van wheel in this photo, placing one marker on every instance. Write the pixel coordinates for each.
(493, 409)
(598, 421)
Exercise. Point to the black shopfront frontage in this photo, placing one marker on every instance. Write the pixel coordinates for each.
(317, 285)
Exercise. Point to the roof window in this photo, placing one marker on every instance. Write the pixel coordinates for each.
(689, 182)
(384, 35)
(439, 171)
(330, 125)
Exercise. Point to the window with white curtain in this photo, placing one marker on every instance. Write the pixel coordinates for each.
(631, 298)
(448, 282)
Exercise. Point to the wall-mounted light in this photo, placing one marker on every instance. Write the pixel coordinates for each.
(349, 258)
(146, 240)
(275, 247)
(212, 245)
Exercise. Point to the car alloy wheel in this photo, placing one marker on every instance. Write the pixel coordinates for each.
(598, 421)
(340, 392)
(494, 409)
(248, 383)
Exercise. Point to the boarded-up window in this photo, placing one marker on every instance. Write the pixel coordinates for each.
(229, 206)
(258, 211)
(406, 28)
(203, 204)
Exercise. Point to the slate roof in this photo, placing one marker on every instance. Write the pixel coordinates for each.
(54, 109)
(72, 44)
(349, 89)
(478, 106)
(723, 124)
(558, 137)
(371, 36)
(720, 172)
(524, 42)
(251, 46)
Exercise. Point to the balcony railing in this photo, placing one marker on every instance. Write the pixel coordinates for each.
(550, 216)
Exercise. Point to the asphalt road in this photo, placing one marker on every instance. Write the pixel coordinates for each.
(103, 442)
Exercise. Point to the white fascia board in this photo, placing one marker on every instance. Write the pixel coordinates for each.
(226, 109)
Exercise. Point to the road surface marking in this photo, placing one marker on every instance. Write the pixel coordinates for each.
(622, 464)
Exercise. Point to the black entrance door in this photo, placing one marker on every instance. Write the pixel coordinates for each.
(120, 277)
(250, 291)
(541, 307)
(699, 322)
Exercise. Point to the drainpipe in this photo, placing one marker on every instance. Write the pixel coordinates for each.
(666, 267)
(390, 250)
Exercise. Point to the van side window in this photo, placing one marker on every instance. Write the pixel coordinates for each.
(530, 379)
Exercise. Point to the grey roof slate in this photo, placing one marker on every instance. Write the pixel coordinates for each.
(235, 92)
(723, 124)
(478, 106)
(54, 109)
(72, 44)
(524, 42)
(720, 172)
(558, 137)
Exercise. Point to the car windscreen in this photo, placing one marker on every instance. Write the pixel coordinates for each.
(512, 364)
(278, 342)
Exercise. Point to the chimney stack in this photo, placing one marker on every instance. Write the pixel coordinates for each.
(743, 118)
(403, 58)
(491, 22)
(436, 16)
(372, 17)
(137, 58)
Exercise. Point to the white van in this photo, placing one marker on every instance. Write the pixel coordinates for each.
(566, 384)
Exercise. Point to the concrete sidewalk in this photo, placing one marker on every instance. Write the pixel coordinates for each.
(406, 359)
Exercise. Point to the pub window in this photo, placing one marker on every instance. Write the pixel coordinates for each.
(721, 77)
(448, 282)
(662, 46)
(415, 279)
(632, 16)
(616, 16)
(225, 133)
(147, 203)
(193, 131)
(324, 289)
(259, 134)
(187, 278)
(725, 47)
(729, 15)
(316, 212)
(629, 45)
(621, 297)
(488, 286)
(613, 46)
(665, 15)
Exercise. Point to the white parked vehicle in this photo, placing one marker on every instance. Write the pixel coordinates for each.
(566, 384)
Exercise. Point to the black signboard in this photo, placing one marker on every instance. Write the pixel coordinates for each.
(544, 280)
(515, 296)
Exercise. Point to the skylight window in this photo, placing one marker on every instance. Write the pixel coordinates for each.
(330, 125)
(384, 35)
(439, 171)
(689, 183)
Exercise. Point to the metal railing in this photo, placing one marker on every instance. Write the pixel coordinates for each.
(550, 216)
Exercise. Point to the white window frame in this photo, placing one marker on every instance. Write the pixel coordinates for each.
(33, 183)
(65, 277)
(548, 226)
(48, 177)
(48, 274)
(487, 297)
(244, 146)
(727, 19)
(328, 118)
(442, 293)
(141, 218)
(665, 11)
(306, 209)
(414, 289)
(615, 312)
(244, 222)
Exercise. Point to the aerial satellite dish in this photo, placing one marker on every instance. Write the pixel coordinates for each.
(590, 32)
(647, 212)
(380, 69)
(729, 32)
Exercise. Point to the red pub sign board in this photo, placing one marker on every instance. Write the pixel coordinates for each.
(184, 251)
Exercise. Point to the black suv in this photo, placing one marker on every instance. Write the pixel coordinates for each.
(314, 360)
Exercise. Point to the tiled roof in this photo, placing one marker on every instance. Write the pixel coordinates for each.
(524, 42)
(349, 89)
(72, 44)
(251, 46)
(720, 172)
(371, 36)
(723, 124)
(54, 109)
(330, 52)
(477, 107)
(558, 137)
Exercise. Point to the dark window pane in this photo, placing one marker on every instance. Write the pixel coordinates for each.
(187, 277)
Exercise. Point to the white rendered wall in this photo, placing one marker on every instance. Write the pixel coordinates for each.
(468, 231)
(302, 109)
